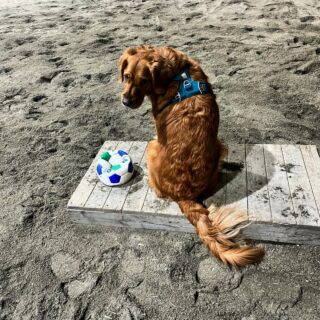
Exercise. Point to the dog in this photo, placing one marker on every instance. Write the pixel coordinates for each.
(184, 160)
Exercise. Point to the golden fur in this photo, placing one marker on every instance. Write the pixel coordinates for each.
(183, 161)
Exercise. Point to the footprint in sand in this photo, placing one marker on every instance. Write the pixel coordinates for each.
(307, 18)
(309, 67)
(4, 70)
(38, 97)
(26, 54)
(63, 80)
(63, 43)
(33, 113)
(58, 125)
(48, 48)
(102, 77)
(57, 61)
(29, 20)
(13, 92)
(101, 41)
(47, 78)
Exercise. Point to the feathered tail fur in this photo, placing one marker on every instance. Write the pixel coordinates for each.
(218, 232)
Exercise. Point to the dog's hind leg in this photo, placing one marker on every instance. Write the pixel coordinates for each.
(214, 179)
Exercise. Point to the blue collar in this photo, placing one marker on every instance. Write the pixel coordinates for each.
(187, 87)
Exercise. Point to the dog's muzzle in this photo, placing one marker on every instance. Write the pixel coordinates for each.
(126, 102)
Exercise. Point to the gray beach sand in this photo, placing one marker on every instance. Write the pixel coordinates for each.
(59, 100)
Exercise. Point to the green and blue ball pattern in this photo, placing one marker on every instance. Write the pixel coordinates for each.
(114, 167)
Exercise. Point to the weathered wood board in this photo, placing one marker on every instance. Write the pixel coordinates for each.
(277, 185)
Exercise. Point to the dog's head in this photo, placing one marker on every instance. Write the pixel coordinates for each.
(143, 71)
(136, 76)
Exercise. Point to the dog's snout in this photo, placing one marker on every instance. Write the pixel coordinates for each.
(126, 101)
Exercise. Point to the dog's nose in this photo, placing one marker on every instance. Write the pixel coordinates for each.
(126, 102)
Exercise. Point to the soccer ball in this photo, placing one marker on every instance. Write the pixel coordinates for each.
(114, 167)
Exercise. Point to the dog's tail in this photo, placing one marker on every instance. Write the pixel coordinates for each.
(218, 233)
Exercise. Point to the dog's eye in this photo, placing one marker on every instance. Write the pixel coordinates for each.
(125, 77)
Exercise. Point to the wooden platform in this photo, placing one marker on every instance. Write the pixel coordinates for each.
(277, 185)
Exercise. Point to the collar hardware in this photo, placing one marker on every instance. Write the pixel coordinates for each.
(187, 87)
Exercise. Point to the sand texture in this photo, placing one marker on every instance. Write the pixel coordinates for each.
(59, 100)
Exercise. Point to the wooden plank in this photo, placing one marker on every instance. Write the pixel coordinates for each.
(118, 194)
(138, 190)
(256, 231)
(88, 182)
(133, 220)
(236, 189)
(153, 204)
(257, 184)
(283, 233)
(100, 191)
(96, 217)
(282, 210)
(170, 208)
(98, 196)
(312, 162)
(301, 192)
(160, 222)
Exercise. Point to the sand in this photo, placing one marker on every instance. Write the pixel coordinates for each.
(59, 100)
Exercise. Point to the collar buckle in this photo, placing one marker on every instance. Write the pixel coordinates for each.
(187, 85)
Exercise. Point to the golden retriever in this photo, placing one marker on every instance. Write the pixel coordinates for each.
(184, 160)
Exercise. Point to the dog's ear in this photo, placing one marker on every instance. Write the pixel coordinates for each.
(123, 61)
(159, 76)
